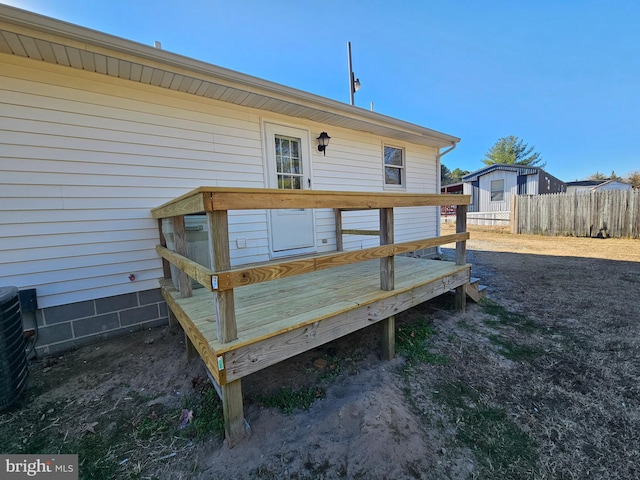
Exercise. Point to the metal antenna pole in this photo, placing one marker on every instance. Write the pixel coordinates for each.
(351, 79)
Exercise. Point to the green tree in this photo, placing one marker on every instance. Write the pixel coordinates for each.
(633, 178)
(597, 176)
(613, 176)
(457, 174)
(445, 175)
(513, 151)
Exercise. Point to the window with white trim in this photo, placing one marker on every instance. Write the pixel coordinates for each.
(394, 167)
(497, 190)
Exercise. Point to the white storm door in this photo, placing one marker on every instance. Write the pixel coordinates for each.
(288, 163)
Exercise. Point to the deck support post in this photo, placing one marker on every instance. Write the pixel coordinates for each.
(389, 338)
(192, 353)
(232, 412)
(387, 282)
(227, 328)
(461, 255)
(173, 320)
(180, 238)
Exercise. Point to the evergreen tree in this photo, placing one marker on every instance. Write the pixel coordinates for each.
(633, 178)
(457, 174)
(512, 151)
(597, 176)
(445, 175)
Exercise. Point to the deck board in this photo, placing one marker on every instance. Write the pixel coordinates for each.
(281, 318)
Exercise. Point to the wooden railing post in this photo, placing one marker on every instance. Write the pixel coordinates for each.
(386, 238)
(166, 266)
(461, 227)
(180, 239)
(338, 216)
(387, 282)
(461, 255)
(227, 328)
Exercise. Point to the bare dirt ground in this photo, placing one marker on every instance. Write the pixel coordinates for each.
(542, 381)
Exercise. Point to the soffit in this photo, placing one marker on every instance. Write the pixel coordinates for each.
(44, 39)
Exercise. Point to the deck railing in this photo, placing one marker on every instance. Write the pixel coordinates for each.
(221, 279)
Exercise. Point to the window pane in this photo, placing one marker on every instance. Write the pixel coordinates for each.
(289, 162)
(497, 190)
(392, 176)
(393, 156)
(285, 147)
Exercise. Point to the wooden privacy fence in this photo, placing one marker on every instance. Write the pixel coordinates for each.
(610, 213)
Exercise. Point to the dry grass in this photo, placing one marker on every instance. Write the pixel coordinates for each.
(569, 309)
(543, 382)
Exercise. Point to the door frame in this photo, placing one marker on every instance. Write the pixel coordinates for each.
(270, 128)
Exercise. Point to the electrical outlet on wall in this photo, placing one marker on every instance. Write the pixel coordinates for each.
(241, 242)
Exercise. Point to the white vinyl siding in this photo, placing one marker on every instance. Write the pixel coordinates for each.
(348, 166)
(487, 204)
(81, 170)
(85, 157)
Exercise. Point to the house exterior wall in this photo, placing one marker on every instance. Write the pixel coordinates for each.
(510, 188)
(613, 185)
(85, 157)
(533, 184)
(548, 183)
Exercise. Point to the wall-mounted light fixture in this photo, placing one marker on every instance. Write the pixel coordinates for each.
(323, 141)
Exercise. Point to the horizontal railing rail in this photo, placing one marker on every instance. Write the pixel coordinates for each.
(249, 275)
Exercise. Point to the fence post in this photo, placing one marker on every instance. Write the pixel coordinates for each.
(461, 255)
(513, 215)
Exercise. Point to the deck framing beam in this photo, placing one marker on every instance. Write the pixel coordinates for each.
(250, 358)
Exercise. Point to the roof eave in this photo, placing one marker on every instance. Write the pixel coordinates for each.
(312, 107)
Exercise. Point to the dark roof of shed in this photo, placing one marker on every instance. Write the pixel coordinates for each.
(586, 183)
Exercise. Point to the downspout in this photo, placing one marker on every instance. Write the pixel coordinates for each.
(438, 187)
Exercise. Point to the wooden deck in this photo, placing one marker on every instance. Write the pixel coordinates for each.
(249, 317)
(279, 319)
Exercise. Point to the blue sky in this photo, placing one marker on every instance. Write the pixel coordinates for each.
(563, 75)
